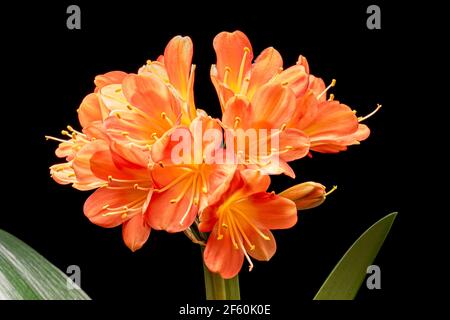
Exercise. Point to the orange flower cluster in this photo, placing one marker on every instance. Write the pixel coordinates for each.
(126, 145)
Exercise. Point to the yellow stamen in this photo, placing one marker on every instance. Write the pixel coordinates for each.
(242, 232)
(241, 69)
(332, 84)
(174, 182)
(370, 114)
(265, 237)
(232, 230)
(225, 75)
(183, 191)
(165, 117)
(191, 200)
(331, 191)
(56, 139)
(237, 120)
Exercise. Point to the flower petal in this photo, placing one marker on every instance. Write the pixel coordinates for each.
(97, 212)
(230, 50)
(295, 78)
(82, 165)
(266, 66)
(113, 77)
(135, 232)
(151, 95)
(177, 60)
(263, 249)
(333, 119)
(165, 214)
(272, 106)
(269, 211)
(89, 110)
(220, 255)
(237, 107)
(293, 144)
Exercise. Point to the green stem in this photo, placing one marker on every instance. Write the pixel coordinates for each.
(218, 288)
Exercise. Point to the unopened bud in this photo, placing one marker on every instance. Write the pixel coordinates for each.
(306, 195)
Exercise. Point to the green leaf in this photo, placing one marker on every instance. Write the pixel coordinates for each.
(26, 275)
(347, 276)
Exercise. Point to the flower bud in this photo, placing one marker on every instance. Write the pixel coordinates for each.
(306, 195)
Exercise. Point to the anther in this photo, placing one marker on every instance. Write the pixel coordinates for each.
(332, 84)
(237, 120)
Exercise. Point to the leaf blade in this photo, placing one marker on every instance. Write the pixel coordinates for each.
(347, 276)
(27, 275)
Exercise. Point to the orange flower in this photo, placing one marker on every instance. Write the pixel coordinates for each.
(123, 198)
(269, 112)
(182, 189)
(240, 223)
(330, 125)
(327, 125)
(176, 70)
(131, 149)
(235, 75)
(151, 110)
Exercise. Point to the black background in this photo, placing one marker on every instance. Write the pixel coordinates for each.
(50, 69)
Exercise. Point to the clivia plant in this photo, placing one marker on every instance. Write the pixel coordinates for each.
(156, 161)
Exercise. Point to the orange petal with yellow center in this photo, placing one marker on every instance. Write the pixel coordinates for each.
(164, 213)
(230, 50)
(98, 206)
(151, 95)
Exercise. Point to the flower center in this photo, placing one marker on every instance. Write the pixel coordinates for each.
(239, 226)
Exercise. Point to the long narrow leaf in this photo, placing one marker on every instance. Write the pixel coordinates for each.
(26, 275)
(347, 276)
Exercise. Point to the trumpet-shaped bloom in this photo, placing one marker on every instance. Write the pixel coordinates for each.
(176, 70)
(328, 126)
(240, 222)
(151, 110)
(123, 198)
(267, 114)
(184, 188)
